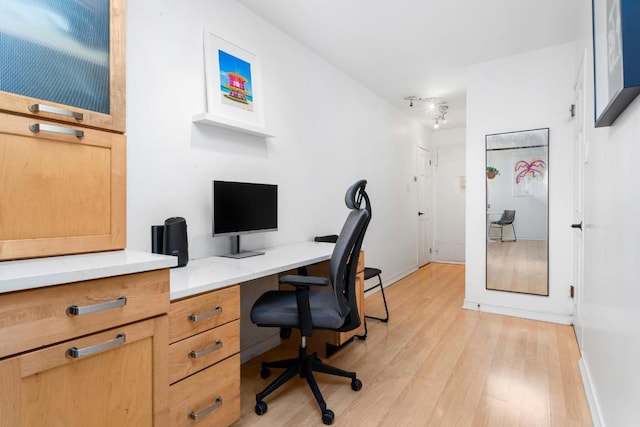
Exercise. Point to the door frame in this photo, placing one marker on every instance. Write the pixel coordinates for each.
(580, 159)
(426, 237)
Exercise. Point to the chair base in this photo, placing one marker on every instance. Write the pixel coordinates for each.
(304, 366)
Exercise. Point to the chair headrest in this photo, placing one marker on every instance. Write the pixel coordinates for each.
(353, 196)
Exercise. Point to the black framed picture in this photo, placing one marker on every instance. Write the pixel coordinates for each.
(616, 57)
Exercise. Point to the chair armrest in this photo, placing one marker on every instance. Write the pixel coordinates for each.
(302, 284)
(304, 280)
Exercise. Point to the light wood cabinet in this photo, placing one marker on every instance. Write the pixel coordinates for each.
(86, 353)
(69, 69)
(38, 317)
(204, 359)
(63, 158)
(63, 194)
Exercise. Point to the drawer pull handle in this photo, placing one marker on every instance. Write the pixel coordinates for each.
(74, 310)
(38, 127)
(36, 108)
(195, 416)
(75, 352)
(198, 354)
(195, 317)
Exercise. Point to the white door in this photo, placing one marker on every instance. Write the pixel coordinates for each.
(450, 184)
(580, 158)
(424, 205)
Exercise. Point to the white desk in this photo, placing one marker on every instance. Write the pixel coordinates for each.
(207, 274)
(204, 275)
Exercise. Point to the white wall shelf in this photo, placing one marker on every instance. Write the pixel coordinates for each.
(226, 123)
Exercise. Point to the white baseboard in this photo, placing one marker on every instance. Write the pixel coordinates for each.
(561, 318)
(594, 408)
(391, 280)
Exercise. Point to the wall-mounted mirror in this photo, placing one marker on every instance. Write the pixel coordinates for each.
(517, 168)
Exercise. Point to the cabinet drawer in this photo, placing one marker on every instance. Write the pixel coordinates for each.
(211, 396)
(38, 317)
(197, 314)
(66, 194)
(199, 351)
(113, 377)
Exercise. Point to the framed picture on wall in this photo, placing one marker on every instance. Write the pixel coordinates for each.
(233, 81)
(616, 56)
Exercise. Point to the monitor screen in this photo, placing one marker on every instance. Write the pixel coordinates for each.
(242, 207)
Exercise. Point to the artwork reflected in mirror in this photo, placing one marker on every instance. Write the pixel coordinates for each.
(517, 179)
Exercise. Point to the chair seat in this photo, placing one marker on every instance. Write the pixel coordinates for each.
(279, 309)
(370, 272)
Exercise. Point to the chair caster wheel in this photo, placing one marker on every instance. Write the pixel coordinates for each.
(261, 408)
(356, 385)
(265, 373)
(327, 417)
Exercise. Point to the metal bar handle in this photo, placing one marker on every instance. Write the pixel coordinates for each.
(195, 416)
(195, 317)
(74, 310)
(36, 108)
(75, 352)
(38, 127)
(198, 354)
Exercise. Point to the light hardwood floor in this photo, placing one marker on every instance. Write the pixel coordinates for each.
(435, 364)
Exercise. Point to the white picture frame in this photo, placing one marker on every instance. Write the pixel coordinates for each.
(233, 84)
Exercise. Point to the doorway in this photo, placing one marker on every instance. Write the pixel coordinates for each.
(424, 181)
(450, 204)
(580, 159)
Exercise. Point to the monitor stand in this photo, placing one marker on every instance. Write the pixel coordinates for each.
(237, 253)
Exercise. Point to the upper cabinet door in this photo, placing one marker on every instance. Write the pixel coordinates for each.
(64, 60)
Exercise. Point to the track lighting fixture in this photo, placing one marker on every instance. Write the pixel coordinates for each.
(440, 114)
(435, 109)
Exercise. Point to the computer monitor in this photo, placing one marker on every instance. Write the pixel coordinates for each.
(242, 208)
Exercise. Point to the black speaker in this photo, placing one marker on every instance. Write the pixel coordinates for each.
(171, 239)
(157, 239)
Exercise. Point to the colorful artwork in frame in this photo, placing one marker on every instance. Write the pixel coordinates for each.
(529, 173)
(233, 85)
(235, 81)
(533, 169)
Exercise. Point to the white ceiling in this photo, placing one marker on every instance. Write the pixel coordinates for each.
(399, 48)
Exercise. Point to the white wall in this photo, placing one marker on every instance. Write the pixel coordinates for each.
(610, 314)
(527, 91)
(330, 131)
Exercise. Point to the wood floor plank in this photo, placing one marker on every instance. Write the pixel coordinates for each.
(434, 364)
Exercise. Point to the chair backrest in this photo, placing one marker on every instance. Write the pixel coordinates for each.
(507, 217)
(344, 259)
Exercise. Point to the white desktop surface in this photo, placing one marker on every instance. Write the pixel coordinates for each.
(40, 272)
(207, 274)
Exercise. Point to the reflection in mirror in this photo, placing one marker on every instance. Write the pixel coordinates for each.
(518, 211)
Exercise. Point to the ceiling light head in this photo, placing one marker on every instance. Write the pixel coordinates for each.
(411, 99)
(436, 125)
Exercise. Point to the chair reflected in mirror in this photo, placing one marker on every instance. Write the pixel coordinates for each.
(507, 218)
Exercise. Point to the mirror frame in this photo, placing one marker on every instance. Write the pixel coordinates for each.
(486, 207)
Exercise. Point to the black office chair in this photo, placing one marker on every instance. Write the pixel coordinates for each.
(507, 218)
(307, 309)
